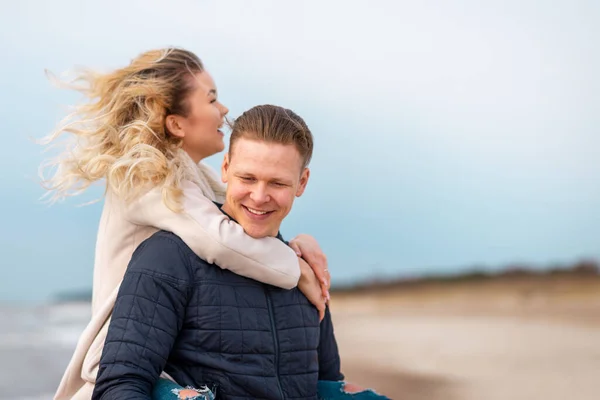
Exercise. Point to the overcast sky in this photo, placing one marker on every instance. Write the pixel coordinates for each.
(449, 134)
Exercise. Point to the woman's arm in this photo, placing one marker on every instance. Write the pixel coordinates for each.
(308, 248)
(309, 286)
(215, 238)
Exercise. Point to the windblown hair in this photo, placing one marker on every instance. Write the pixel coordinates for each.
(119, 133)
(273, 124)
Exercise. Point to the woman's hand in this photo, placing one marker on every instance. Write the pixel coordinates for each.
(310, 286)
(307, 247)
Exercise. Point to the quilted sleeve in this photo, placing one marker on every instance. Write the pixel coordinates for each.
(147, 318)
(217, 239)
(329, 356)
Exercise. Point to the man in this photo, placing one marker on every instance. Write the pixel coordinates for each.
(206, 326)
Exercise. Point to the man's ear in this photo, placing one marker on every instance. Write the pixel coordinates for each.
(174, 126)
(303, 181)
(224, 168)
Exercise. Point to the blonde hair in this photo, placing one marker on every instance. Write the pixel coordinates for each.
(119, 132)
(273, 124)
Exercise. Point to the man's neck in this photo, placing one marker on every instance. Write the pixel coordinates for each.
(228, 210)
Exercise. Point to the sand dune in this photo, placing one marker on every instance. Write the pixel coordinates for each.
(538, 339)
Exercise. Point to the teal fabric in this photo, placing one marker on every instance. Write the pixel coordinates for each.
(328, 390)
(166, 389)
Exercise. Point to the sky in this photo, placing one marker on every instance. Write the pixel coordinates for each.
(449, 135)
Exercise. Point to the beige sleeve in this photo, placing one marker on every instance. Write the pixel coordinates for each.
(215, 238)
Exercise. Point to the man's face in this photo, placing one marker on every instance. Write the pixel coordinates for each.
(262, 181)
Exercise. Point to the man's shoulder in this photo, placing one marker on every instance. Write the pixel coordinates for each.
(163, 253)
(166, 238)
(162, 241)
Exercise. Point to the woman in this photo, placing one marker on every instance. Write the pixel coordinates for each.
(145, 130)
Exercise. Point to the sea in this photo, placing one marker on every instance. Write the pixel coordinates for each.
(36, 344)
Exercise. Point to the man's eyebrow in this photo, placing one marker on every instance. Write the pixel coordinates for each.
(241, 172)
(212, 91)
(282, 180)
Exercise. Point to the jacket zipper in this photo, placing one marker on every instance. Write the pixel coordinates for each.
(275, 339)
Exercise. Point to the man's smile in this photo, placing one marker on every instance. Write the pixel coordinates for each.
(257, 215)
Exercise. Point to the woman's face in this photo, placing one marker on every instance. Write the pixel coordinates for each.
(200, 129)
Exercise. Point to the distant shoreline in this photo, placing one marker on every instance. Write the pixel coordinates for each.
(584, 268)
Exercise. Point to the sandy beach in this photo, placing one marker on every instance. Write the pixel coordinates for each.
(534, 338)
(505, 339)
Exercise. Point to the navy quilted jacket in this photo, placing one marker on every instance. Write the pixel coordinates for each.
(207, 326)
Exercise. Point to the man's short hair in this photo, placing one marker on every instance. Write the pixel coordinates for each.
(273, 124)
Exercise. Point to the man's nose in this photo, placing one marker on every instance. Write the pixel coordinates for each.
(260, 194)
